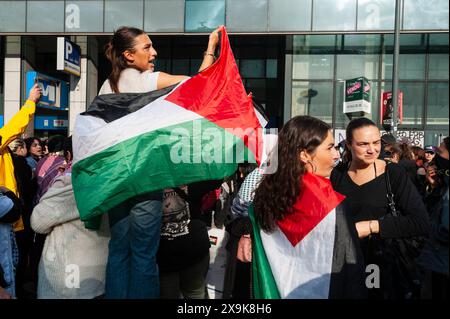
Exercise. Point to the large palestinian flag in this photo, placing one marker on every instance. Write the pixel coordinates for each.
(131, 144)
(296, 260)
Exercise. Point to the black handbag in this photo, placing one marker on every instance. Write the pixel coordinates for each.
(402, 277)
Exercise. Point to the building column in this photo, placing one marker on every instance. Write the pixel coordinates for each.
(83, 89)
(12, 77)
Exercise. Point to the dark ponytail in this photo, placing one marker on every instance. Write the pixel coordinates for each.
(123, 39)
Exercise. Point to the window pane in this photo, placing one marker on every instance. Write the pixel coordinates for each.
(440, 39)
(376, 14)
(123, 13)
(334, 15)
(249, 15)
(324, 44)
(435, 137)
(419, 14)
(342, 120)
(411, 67)
(290, 15)
(438, 67)
(84, 16)
(360, 43)
(351, 66)
(12, 16)
(272, 68)
(437, 112)
(204, 15)
(257, 87)
(252, 68)
(164, 16)
(180, 66)
(45, 16)
(313, 66)
(413, 99)
(313, 98)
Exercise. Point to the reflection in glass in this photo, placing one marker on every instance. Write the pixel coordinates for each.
(351, 66)
(204, 15)
(420, 14)
(290, 15)
(164, 16)
(438, 110)
(411, 67)
(12, 16)
(239, 19)
(313, 66)
(45, 16)
(438, 67)
(314, 99)
(123, 13)
(334, 15)
(252, 68)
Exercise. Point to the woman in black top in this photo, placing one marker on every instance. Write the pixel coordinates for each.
(361, 178)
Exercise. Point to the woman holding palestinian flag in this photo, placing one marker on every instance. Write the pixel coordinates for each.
(305, 244)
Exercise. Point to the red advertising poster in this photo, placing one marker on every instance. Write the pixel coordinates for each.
(387, 109)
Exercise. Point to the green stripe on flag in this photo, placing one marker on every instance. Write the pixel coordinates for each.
(264, 285)
(145, 164)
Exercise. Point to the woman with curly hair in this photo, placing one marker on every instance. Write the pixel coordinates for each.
(304, 243)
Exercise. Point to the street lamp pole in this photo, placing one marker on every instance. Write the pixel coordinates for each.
(394, 121)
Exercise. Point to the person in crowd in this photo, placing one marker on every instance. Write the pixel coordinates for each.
(69, 247)
(10, 210)
(34, 151)
(132, 271)
(310, 242)
(183, 254)
(363, 181)
(430, 152)
(392, 153)
(27, 187)
(406, 160)
(434, 257)
(48, 166)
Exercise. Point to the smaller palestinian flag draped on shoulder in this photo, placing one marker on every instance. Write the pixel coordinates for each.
(130, 144)
(296, 260)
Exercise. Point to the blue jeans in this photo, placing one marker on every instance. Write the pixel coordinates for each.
(131, 271)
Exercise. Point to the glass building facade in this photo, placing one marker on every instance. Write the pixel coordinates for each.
(294, 55)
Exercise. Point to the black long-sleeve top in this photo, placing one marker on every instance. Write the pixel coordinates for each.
(369, 202)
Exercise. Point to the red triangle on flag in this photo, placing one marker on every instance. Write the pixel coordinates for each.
(316, 200)
(217, 94)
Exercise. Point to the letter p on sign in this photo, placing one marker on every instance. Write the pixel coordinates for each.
(69, 50)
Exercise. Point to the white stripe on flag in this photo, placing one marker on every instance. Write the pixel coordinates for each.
(303, 271)
(93, 135)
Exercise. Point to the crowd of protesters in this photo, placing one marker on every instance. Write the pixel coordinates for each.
(157, 246)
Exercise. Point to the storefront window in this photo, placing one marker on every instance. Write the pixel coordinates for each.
(204, 15)
(319, 66)
(413, 101)
(437, 108)
(411, 67)
(351, 66)
(438, 67)
(313, 98)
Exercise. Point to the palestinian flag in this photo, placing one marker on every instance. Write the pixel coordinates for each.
(296, 260)
(131, 144)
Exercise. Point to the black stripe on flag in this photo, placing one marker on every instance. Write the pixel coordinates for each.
(110, 107)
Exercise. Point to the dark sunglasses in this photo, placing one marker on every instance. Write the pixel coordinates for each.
(429, 152)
